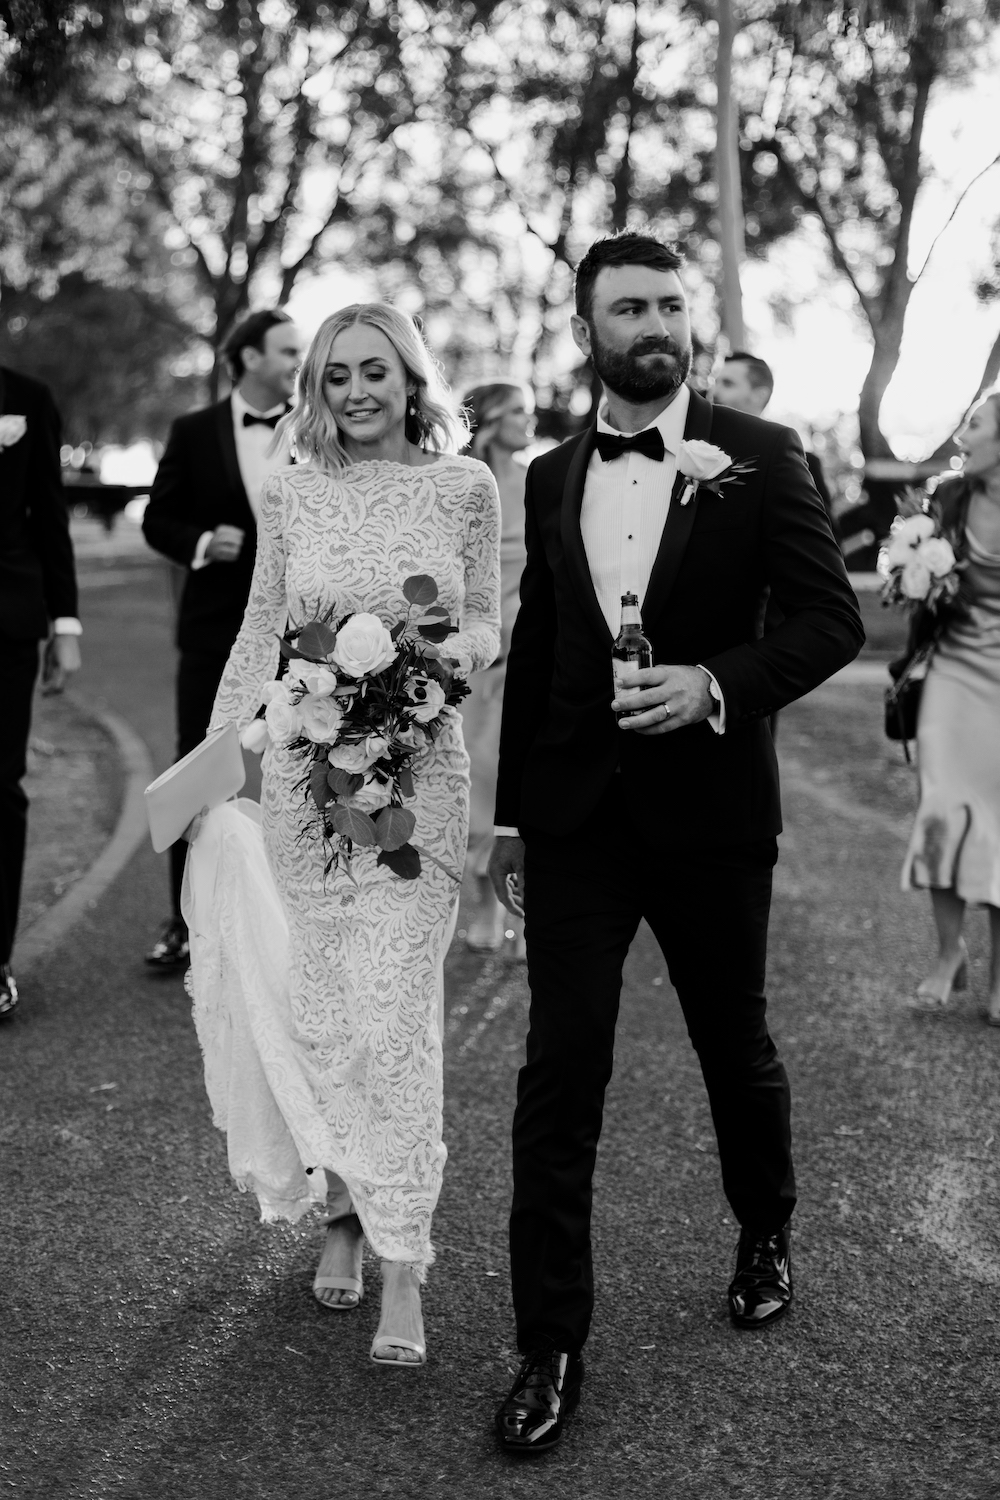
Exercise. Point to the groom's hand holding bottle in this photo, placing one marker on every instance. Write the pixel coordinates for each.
(664, 698)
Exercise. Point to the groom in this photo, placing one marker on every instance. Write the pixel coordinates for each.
(672, 814)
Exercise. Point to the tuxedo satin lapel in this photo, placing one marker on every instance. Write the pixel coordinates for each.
(572, 536)
(680, 518)
(227, 442)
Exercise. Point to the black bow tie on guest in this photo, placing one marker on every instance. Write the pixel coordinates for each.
(649, 441)
(250, 417)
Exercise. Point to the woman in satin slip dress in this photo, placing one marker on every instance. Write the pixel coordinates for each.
(954, 850)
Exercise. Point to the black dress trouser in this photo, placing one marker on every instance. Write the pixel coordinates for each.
(198, 676)
(708, 909)
(18, 670)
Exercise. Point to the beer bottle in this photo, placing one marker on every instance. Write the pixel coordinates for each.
(631, 649)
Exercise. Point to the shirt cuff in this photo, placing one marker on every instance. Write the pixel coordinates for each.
(501, 832)
(717, 718)
(67, 625)
(200, 560)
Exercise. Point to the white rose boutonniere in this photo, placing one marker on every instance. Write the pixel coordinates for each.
(705, 466)
(12, 430)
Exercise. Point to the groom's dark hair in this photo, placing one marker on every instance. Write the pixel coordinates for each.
(625, 249)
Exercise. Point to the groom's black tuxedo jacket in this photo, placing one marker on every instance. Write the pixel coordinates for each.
(560, 745)
(37, 575)
(198, 486)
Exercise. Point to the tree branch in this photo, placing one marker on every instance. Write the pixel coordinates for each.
(811, 202)
(957, 205)
(515, 197)
(161, 189)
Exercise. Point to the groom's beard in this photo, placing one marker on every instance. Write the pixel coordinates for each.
(633, 380)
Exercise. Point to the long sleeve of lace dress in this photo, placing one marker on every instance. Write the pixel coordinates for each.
(253, 661)
(478, 640)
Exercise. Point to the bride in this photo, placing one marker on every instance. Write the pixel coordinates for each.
(338, 1064)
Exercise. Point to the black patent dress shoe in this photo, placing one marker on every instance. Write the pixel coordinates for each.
(545, 1391)
(761, 1289)
(171, 950)
(8, 993)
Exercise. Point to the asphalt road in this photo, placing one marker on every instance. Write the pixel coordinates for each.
(159, 1342)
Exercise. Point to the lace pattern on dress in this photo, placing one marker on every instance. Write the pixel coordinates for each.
(364, 967)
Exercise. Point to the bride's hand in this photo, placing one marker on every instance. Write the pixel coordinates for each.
(193, 829)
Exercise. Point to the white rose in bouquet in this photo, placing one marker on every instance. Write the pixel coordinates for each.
(282, 720)
(317, 680)
(937, 554)
(12, 430)
(321, 718)
(699, 460)
(354, 757)
(916, 580)
(277, 692)
(363, 645)
(255, 736)
(369, 798)
(427, 697)
(899, 551)
(914, 530)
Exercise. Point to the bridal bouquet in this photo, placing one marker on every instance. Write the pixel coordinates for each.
(360, 700)
(918, 563)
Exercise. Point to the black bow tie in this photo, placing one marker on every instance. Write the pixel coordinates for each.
(250, 417)
(649, 441)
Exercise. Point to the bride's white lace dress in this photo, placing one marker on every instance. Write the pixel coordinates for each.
(326, 1052)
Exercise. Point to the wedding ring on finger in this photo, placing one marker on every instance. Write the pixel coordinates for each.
(666, 713)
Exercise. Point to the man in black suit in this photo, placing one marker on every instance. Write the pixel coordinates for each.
(201, 513)
(37, 600)
(746, 383)
(672, 814)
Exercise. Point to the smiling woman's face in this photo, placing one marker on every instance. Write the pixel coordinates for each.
(979, 440)
(365, 384)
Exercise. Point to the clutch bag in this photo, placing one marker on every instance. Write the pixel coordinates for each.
(209, 774)
(902, 698)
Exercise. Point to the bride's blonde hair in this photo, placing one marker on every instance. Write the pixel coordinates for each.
(433, 419)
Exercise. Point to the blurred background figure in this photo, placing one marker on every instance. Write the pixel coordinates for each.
(37, 600)
(955, 847)
(746, 383)
(202, 513)
(502, 425)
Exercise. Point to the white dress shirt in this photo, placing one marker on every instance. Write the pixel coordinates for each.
(625, 506)
(253, 458)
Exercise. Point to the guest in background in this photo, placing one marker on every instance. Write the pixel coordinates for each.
(37, 600)
(745, 383)
(202, 513)
(501, 424)
(955, 847)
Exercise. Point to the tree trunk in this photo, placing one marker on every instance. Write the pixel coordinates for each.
(885, 358)
(991, 370)
(622, 182)
(727, 173)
